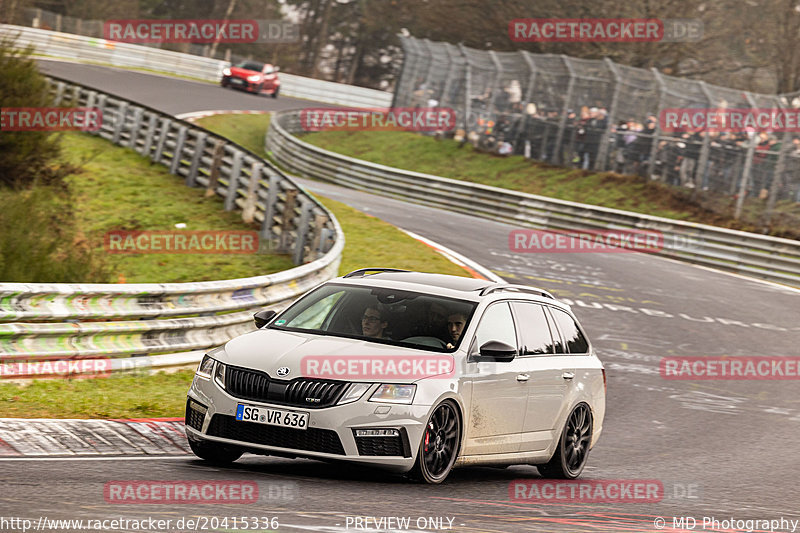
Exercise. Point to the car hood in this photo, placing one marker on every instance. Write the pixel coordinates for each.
(268, 350)
(242, 72)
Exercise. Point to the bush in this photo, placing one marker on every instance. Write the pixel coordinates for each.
(26, 157)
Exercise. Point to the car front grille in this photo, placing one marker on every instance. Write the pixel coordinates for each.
(311, 439)
(382, 446)
(300, 392)
(195, 414)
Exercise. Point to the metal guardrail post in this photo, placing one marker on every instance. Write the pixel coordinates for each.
(135, 129)
(177, 153)
(249, 208)
(148, 138)
(119, 121)
(498, 74)
(233, 180)
(562, 123)
(467, 88)
(528, 99)
(269, 208)
(306, 208)
(216, 164)
(59, 93)
(166, 124)
(288, 216)
(199, 148)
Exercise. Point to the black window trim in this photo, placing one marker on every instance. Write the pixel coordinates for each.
(472, 348)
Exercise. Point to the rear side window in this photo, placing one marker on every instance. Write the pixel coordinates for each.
(576, 342)
(496, 325)
(533, 328)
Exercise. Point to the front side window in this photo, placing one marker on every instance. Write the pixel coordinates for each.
(388, 316)
(496, 325)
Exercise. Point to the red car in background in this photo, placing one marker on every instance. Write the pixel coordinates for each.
(254, 77)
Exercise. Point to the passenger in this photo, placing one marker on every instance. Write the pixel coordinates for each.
(455, 327)
(373, 322)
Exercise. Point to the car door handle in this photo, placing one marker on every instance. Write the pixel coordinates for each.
(568, 375)
(522, 377)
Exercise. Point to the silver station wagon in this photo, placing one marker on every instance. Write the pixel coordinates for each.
(412, 372)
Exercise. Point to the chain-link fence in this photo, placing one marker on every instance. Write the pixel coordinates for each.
(598, 115)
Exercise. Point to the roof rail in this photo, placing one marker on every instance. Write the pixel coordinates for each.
(363, 271)
(518, 288)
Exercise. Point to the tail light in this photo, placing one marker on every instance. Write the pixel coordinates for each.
(605, 382)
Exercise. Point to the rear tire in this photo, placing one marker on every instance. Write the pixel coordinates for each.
(439, 446)
(214, 452)
(573, 446)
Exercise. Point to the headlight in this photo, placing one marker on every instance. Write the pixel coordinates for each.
(205, 368)
(253, 78)
(354, 392)
(219, 375)
(391, 393)
(226, 72)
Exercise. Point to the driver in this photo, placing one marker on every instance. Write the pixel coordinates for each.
(373, 322)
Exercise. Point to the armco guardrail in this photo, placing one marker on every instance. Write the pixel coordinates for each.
(173, 317)
(754, 255)
(89, 49)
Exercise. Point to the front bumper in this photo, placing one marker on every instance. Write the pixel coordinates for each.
(329, 436)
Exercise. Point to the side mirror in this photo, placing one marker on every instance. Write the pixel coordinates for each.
(496, 351)
(263, 317)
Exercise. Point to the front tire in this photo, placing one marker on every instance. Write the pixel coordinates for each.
(214, 452)
(573, 446)
(275, 94)
(439, 446)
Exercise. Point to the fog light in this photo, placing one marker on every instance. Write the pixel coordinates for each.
(377, 433)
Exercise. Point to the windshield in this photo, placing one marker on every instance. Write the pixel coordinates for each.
(386, 316)
(251, 65)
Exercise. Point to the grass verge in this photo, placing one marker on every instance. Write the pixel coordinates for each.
(119, 189)
(132, 395)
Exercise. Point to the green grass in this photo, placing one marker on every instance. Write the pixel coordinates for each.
(119, 189)
(369, 242)
(133, 395)
(446, 158)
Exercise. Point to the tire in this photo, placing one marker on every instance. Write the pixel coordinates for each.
(438, 448)
(275, 94)
(573, 446)
(214, 452)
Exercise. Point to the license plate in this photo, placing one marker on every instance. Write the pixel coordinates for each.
(237, 81)
(272, 417)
